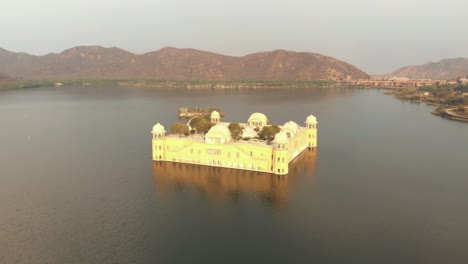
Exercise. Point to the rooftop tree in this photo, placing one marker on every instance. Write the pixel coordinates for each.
(179, 128)
(200, 124)
(268, 132)
(236, 130)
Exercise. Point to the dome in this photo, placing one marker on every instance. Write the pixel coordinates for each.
(311, 119)
(290, 127)
(258, 117)
(158, 128)
(218, 134)
(281, 137)
(215, 114)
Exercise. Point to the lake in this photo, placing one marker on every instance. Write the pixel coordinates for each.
(387, 184)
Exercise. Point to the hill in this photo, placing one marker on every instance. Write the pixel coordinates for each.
(447, 69)
(5, 78)
(175, 64)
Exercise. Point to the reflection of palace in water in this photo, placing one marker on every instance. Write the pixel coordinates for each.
(229, 183)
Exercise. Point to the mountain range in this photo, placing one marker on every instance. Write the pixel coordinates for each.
(95, 62)
(446, 69)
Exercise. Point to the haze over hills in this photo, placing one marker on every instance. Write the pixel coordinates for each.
(447, 69)
(97, 62)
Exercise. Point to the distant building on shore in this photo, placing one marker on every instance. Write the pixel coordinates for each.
(463, 80)
(394, 82)
(217, 148)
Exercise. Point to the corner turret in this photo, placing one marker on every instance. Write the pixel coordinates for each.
(311, 127)
(159, 134)
(280, 154)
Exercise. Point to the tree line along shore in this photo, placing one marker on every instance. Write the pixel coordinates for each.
(188, 84)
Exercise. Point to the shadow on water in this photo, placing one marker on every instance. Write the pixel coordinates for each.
(230, 184)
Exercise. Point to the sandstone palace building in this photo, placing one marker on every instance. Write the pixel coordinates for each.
(217, 148)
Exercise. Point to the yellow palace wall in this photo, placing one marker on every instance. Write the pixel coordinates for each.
(300, 142)
(230, 155)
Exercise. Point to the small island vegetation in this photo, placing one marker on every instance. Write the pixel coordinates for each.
(189, 112)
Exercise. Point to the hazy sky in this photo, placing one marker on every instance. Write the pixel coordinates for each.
(378, 36)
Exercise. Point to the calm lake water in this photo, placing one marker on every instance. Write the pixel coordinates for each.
(387, 184)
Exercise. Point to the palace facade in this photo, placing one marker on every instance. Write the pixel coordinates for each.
(217, 148)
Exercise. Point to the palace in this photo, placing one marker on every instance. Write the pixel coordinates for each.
(218, 149)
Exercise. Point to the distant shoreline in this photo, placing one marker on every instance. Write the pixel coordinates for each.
(224, 85)
(447, 98)
(187, 84)
(450, 113)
